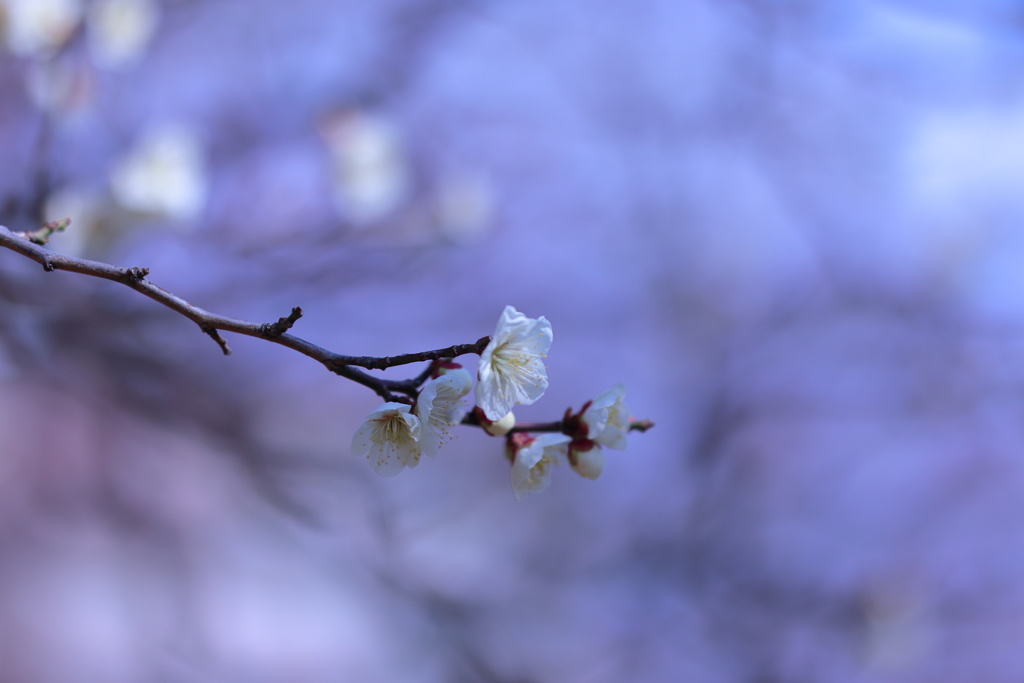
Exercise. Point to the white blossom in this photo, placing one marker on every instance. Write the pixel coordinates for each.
(533, 461)
(390, 439)
(511, 369)
(164, 175)
(440, 406)
(38, 27)
(119, 30)
(372, 173)
(604, 422)
(607, 418)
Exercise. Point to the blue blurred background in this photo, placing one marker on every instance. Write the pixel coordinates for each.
(792, 229)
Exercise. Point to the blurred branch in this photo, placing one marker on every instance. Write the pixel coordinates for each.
(29, 244)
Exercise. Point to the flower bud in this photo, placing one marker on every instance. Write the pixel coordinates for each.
(502, 426)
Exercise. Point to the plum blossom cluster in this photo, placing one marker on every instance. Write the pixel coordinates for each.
(395, 435)
(511, 372)
(418, 414)
(604, 421)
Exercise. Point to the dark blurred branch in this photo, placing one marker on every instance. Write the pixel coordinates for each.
(29, 245)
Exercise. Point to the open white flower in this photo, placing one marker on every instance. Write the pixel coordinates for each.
(511, 369)
(603, 422)
(440, 406)
(389, 439)
(607, 418)
(533, 460)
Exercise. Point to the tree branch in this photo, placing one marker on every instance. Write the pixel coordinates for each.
(29, 245)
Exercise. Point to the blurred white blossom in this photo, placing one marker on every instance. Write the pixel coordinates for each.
(533, 458)
(511, 369)
(389, 439)
(607, 418)
(604, 422)
(440, 406)
(163, 175)
(119, 30)
(37, 27)
(371, 171)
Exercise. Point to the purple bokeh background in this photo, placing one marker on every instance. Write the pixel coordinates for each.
(792, 229)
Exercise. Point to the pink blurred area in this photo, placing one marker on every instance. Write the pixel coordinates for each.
(793, 230)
